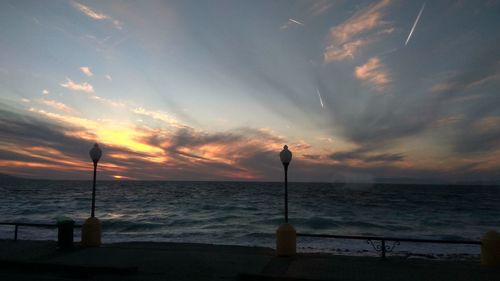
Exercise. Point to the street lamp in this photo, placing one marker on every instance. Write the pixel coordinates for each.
(286, 236)
(91, 229)
(286, 158)
(95, 155)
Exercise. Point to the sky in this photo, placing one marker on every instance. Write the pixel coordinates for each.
(360, 91)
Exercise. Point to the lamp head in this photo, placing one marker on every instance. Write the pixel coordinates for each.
(95, 153)
(285, 155)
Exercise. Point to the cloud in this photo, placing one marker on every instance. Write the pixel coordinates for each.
(482, 135)
(118, 24)
(86, 10)
(58, 105)
(449, 120)
(488, 79)
(390, 157)
(112, 132)
(344, 51)
(108, 77)
(109, 102)
(86, 70)
(30, 144)
(463, 82)
(471, 93)
(158, 115)
(84, 87)
(366, 155)
(481, 71)
(362, 21)
(374, 72)
(47, 145)
(90, 13)
(45, 92)
(348, 37)
(320, 7)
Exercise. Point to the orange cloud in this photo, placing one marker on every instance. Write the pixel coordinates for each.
(373, 72)
(344, 51)
(320, 7)
(348, 37)
(46, 155)
(58, 105)
(90, 13)
(86, 70)
(84, 87)
(86, 10)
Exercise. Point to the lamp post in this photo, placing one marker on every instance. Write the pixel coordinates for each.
(95, 155)
(91, 229)
(286, 158)
(286, 236)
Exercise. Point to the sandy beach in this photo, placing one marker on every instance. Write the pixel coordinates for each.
(39, 260)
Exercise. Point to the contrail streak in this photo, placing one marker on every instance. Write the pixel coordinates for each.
(415, 24)
(296, 21)
(320, 99)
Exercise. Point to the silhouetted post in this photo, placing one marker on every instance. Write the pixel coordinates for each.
(286, 157)
(95, 155)
(286, 236)
(490, 249)
(91, 229)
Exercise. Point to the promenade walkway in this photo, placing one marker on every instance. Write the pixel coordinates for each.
(38, 260)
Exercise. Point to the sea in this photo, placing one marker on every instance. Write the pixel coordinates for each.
(248, 213)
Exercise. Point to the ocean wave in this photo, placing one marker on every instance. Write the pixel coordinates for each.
(249, 213)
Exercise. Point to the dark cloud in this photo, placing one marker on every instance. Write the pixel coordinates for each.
(486, 65)
(311, 156)
(481, 136)
(366, 156)
(190, 138)
(26, 130)
(472, 92)
(390, 157)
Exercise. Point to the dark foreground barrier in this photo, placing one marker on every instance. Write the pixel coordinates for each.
(62, 227)
(379, 243)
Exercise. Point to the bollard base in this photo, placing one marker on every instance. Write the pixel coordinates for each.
(286, 241)
(65, 230)
(490, 249)
(91, 233)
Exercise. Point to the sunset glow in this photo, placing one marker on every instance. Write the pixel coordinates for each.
(204, 91)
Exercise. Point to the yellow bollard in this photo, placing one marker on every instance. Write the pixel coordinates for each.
(490, 249)
(91, 233)
(286, 240)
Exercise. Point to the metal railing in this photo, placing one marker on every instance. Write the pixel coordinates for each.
(41, 225)
(379, 243)
(382, 247)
